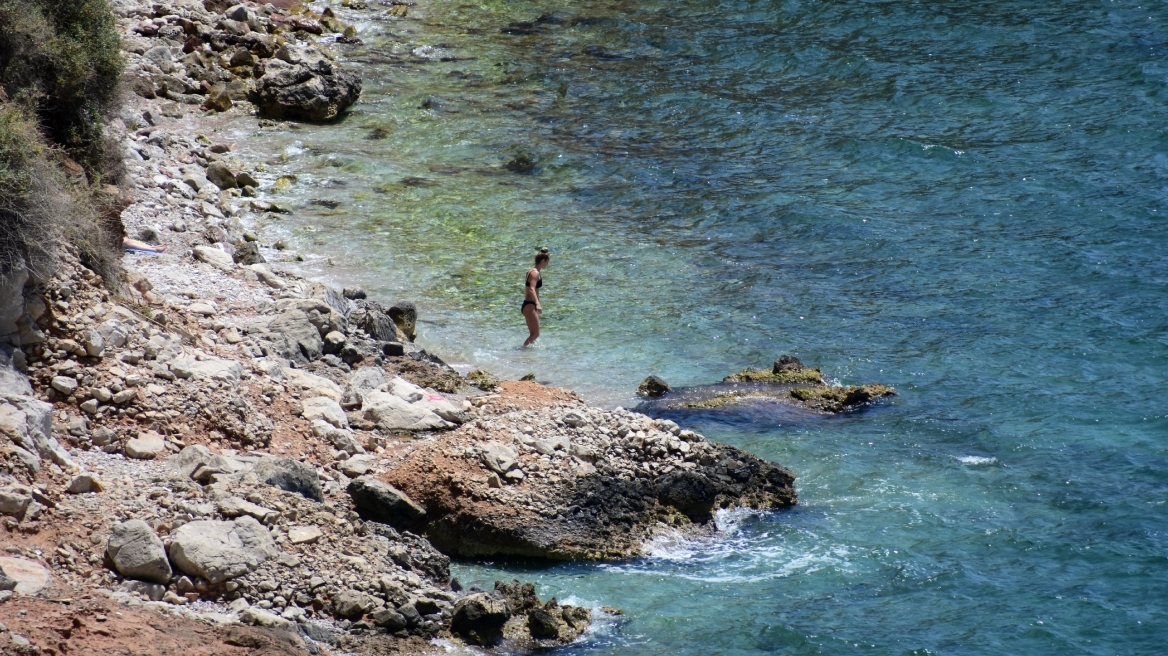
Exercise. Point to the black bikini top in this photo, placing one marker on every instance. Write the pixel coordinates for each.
(538, 282)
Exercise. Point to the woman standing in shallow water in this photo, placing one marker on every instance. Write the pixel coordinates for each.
(531, 308)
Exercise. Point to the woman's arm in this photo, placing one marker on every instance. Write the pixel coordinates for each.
(534, 289)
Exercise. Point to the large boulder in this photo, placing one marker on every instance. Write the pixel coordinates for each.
(479, 619)
(138, 553)
(309, 88)
(290, 335)
(289, 475)
(28, 424)
(381, 502)
(391, 412)
(218, 551)
(351, 604)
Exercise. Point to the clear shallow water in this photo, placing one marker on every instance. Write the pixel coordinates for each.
(962, 201)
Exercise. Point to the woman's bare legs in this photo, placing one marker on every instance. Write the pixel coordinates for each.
(532, 317)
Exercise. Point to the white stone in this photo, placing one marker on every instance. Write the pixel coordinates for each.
(64, 384)
(30, 577)
(213, 256)
(323, 407)
(146, 446)
(304, 534)
(313, 384)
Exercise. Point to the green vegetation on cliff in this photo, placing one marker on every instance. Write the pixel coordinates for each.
(60, 69)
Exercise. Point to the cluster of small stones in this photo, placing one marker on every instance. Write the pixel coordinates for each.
(209, 54)
(559, 442)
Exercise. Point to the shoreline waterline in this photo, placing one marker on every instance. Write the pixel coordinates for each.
(1005, 284)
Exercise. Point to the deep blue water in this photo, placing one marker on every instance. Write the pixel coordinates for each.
(962, 200)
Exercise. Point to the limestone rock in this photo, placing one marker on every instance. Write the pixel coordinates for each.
(215, 257)
(137, 552)
(226, 371)
(500, 457)
(304, 534)
(323, 407)
(64, 384)
(30, 577)
(390, 412)
(146, 446)
(384, 503)
(351, 604)
(14, 500)
(479, 619)
(290, 335)
(261, 617)
(289, 475)
(218, 551)
(232, 507)
(82, 483)
(28, 423)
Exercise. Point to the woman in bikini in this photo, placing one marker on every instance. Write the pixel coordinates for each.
(531, 308)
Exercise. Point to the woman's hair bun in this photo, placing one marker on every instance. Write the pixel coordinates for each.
(544, 249)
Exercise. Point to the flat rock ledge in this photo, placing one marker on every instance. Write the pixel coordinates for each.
(572, 482)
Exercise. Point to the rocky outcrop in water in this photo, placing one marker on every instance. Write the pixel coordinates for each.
(303, 84)
(561, 480)
(789, 382)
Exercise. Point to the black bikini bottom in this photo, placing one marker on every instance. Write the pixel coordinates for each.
(525, 304)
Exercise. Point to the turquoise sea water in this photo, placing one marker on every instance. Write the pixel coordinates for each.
(962, 200)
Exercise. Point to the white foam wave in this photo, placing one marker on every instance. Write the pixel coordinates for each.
(976, 460)
(736, 554)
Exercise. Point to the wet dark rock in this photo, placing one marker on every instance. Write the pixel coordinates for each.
(291, 476)
(405, 315)
(483, 380)
(479, 619)
(248, 253)
(221, 176)
(314, 91)
(653, 386)
(522, 163)
(839, 399)
(384, 503)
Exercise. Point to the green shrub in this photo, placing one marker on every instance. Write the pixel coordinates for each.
(62, 59)
(32, 196)
(40, 210)
(60, 69)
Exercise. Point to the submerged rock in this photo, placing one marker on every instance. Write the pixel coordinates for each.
(788, 382)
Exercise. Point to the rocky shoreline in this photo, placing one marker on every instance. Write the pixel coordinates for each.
(265, 464)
